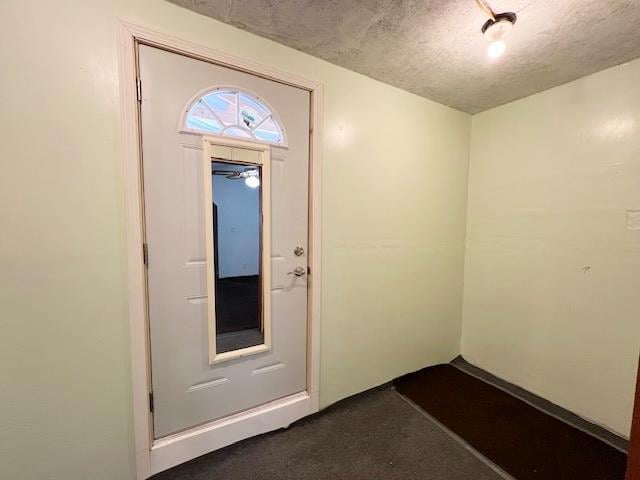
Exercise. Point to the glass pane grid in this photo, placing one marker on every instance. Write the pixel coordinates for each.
(234, 114)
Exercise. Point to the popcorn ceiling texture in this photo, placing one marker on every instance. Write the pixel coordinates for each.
(434, 48)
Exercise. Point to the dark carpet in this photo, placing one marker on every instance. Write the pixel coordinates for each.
(227, 342)
(237, 303)
(523, 441)
(373, 436)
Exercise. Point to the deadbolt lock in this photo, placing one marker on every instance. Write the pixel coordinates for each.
(298, 251)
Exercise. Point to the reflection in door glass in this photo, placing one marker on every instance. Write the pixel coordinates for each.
(237, 255)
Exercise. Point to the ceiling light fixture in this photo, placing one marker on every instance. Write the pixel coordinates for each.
(251, 176)
(496, 48)
(252, 182)
(496, 29)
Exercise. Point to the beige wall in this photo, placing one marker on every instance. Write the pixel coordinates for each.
(392, 262)
(552, 273)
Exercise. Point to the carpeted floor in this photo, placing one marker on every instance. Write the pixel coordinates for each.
(525, 442)
(237, 303)
(437, 426)
(375, 435)
(226, 342)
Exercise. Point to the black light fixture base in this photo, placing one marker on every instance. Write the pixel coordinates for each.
(508, 16)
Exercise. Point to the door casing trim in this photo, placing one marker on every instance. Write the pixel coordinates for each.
(153, 456)
(263, 151)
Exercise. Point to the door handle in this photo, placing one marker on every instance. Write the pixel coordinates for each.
(298, 271)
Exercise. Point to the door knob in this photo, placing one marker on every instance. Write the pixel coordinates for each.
(298, 271)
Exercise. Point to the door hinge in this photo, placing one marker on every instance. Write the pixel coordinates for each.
(139, 89)
(151, 402)
(145, 254)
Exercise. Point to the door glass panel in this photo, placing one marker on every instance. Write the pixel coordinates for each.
(226, 107)
(237, 132)
(251, 112)
(203, 117)
(234, 113)
(237, 233)
(268, 131)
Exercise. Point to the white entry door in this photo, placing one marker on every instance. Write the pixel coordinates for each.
(180, 97)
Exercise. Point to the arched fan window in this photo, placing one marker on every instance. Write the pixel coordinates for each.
(233, 113)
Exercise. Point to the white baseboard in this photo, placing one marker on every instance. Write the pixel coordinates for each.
(175, 449)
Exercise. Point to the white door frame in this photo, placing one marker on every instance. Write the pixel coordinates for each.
(153, 456)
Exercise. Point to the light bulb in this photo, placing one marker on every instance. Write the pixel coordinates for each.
(252, 181)
(496, 49)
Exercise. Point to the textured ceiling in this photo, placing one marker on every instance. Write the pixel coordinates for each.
(434, 48)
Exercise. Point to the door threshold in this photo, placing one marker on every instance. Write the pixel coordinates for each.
(180, 447)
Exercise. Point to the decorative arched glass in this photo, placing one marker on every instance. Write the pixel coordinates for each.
(234, 113)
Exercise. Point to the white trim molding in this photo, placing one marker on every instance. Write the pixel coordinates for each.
(228, 149)
(153, 456)
(181, 447)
